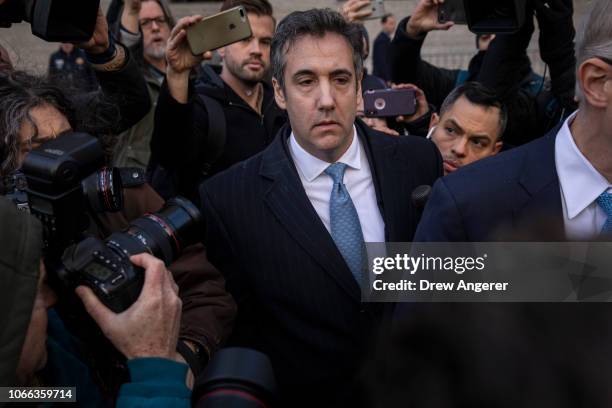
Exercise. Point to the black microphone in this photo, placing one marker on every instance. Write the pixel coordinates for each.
(419, 197)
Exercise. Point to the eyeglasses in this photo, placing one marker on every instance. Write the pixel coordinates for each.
(146, 22)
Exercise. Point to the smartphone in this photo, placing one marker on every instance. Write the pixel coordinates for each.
(452, 10)
(219, 30)
(381, 103)
(378, 10)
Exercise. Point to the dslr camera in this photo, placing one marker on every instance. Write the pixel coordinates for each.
(53, 20)
(62, 183)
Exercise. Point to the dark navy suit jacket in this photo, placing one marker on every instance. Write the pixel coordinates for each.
(297, 300)
(514, 196)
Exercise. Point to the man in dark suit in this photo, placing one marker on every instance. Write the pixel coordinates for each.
(558, 186)
(287, 226)
(382, 45)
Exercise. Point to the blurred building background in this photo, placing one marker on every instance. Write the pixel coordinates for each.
(451, 49)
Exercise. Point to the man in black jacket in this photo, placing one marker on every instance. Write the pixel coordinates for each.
(188, 138)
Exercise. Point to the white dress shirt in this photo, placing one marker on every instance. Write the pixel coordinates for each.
(580, 186)
(357, 179)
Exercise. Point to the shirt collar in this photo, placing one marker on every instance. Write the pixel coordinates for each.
(580, 183)
(311, 167)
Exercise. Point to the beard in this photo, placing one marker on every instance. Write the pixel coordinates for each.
(155, 51)
(241, 71)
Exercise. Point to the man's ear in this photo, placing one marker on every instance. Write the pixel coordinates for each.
(221, 52)
(435, 119)
(593, 74)
(279, 94)
(497, 147)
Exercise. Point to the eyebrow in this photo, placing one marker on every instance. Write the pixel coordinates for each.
(454, 123)
(335, 72)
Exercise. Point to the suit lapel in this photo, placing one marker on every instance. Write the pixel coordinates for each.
(542, 202)
(290, 205)
(386, 171)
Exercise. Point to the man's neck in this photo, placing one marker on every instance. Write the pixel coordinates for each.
(160, 63)
(251, 93)
(594, 140)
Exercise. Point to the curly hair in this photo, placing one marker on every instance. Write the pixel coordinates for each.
(19, 94)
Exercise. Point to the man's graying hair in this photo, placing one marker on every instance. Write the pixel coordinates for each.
(317, 23)
(594, 39)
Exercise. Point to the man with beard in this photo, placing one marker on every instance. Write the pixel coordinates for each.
(203, 127)
(145, 28)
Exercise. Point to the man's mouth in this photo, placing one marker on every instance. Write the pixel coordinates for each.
(254, 64)
(450, 166)
(327, 123)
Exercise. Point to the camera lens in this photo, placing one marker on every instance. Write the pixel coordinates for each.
(166, 233)
(104, 190)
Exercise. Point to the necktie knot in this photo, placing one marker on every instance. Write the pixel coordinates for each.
(605, 202)
(336, 172)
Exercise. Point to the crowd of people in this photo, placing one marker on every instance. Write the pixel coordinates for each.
(271, 139)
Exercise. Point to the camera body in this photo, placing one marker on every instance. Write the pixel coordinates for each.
(485, 16)
(61, 184)
(64, 181)
(53, 20)
(105, 266)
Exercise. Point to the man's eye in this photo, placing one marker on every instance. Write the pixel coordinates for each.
(478, 142)
(306, 82)
(450, 130)
(342, 80)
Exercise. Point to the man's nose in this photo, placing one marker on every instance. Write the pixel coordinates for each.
(326, 96)
(154, 26)
(459, 148)
(254, 47)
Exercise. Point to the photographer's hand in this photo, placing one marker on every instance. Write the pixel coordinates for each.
(150, 327)
(425, 19)
(355, 10)
(180, 59)
(99, 41)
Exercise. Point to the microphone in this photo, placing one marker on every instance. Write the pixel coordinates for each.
(419, 197)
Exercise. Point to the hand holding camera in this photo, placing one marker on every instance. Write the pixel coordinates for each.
(425, 19)
(148, 328)
(99, 41)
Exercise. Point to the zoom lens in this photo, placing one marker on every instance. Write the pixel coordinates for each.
(104, 190)
(167, 232)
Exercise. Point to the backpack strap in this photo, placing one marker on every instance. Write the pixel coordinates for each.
(215, 141)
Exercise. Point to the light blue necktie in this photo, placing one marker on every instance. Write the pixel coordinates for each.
(605, 202)
(345, 227)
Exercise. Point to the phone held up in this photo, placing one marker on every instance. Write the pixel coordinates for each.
(381, 103)
(452, 10)
(378, 10)
(219, 30)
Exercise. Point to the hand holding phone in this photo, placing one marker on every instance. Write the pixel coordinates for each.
(178, 54)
